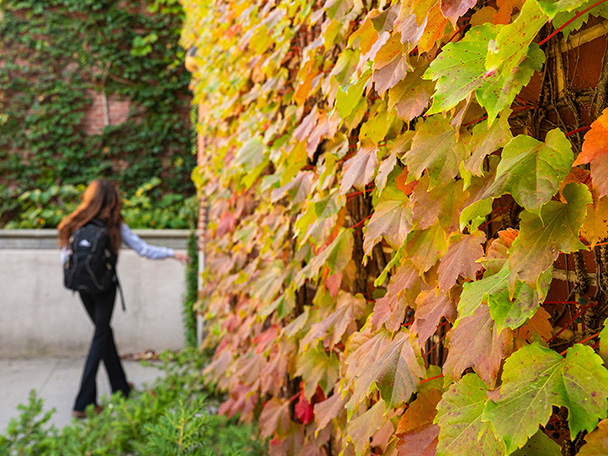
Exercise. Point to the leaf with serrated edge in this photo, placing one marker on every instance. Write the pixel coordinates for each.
(552, 7)
(432, 305)
(411, 95)
(453, 9)
(460, 68)
(512, 312)
(274, 418)
(348, 309)
(536, 378)
(541, 238)
(531, 170)
(484, 141)
(329, 409)
(435, 148)
(318, 368)
(513, 40)
(459, 415)
(396, 373)
(404, 286)
(461, 259)
(391, 219)
(359, 170)
(426, 247)
(475, 342)
(360, 429)
(498, 91)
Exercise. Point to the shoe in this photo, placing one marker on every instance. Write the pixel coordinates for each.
(81, 414)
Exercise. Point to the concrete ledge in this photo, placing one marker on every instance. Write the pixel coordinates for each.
(39, 317)
(47, 239)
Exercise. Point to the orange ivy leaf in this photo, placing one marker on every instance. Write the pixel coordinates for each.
(329, 409)
(348, 309)
(595, 152)
(595, 226)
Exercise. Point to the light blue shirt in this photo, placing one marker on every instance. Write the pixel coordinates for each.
(132, 240)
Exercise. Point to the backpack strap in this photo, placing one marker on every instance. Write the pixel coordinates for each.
(122, 297)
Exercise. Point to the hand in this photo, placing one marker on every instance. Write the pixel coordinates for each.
(181, 257)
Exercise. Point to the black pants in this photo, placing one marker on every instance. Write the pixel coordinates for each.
(100, 307)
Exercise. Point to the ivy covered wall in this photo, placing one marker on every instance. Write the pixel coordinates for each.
(63, 63)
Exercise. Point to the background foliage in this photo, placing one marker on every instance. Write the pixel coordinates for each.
(53, 56)
(391, 183)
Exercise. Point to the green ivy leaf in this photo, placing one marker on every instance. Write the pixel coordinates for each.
(531, 170)
(553, 7)
(536, 378)
(460, 67)
(318, 368)
(459, 415)
(513, 40)
(539, 445)
(499, 90)
(541, 238)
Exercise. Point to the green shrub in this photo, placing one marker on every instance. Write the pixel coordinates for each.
(176, 417)
(38, 208)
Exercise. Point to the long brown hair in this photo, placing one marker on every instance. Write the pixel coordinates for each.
(100, 201)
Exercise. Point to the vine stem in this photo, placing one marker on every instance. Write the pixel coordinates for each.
(577, 130)
(578, 314)
(361, 222)
(570, 21)
(432, 378)
(582, 341)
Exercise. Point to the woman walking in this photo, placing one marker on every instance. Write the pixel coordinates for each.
(101, 204)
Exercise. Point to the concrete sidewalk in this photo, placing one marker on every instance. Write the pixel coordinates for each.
(56, 380)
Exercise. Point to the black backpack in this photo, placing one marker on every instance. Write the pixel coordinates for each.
(91, 263)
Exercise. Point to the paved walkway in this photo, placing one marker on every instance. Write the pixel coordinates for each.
(56, 380)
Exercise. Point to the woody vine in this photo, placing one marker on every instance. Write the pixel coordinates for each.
(407, 243)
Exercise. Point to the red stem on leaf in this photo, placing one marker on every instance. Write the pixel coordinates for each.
(578, 314)
(361, 222)
(432, 378)
(582, 341)
(570, 21)
(577, 130)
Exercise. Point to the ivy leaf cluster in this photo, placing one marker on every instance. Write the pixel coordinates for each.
(387, 206)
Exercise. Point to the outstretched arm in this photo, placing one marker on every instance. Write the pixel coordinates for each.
(146, 250)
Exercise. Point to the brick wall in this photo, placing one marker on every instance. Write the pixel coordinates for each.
(104, 111)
